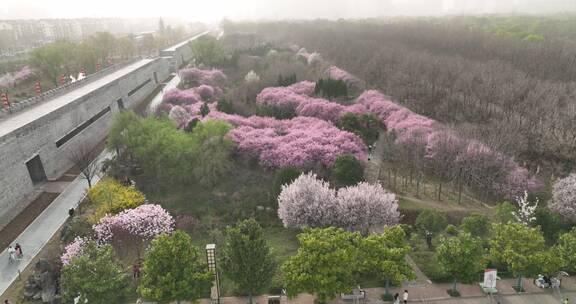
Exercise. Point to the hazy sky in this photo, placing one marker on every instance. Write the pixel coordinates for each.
(212, 10)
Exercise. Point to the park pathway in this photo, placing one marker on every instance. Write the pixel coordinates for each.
(421, 287)
(157, 100)
(37, 234)
(373, 166)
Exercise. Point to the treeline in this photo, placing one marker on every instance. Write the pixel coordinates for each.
(102, 48)
(517, 96)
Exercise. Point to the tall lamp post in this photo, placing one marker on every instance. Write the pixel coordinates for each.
(211, 259)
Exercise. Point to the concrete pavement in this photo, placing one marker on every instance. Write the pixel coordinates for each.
(35, 236)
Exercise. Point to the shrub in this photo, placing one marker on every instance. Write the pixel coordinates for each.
(224, 106)
(387, 297)
(347, 170)
(451, 230)
(552, 224)
(75, 227)
(331, 88)
(476, 224)
(111, 197)
(505, 212)
(430, 220)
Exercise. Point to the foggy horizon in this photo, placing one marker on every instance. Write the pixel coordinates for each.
(280, 9)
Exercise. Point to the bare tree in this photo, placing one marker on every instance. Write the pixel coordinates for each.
(84, 158)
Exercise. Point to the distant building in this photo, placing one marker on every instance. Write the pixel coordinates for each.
(17, 36)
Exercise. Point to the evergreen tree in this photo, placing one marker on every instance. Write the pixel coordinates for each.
(247, 258)
(204, 109)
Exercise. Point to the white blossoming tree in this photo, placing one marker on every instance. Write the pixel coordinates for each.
(526, 209)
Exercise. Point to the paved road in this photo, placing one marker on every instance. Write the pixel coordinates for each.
(35, 236)
(24, 117)
(512, 299)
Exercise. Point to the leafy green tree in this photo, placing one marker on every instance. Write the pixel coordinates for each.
(126, 47)
(549, 262)
(53, 59)
(95, 276)
(282, 177)
(476, 224)
(214, 157)
(505, 212)
(247, 258)
(191, 125)
(324, 265)
(461, 256)
(565, 249)
(517, 246)
(384, 255)
(366, 126)
(347, 170)
(85, 56)
(225, 106)
(431, 220)
(116, 136)
(331, 88)
(174, 270)
(551, 223)
(164, 154)
(104, 43)
(207, 51)
(204, 109)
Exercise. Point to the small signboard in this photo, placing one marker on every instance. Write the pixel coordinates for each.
(490, 276)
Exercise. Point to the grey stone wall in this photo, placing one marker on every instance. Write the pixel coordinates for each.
(39, 137)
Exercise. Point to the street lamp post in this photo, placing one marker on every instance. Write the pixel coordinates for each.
(211, 259)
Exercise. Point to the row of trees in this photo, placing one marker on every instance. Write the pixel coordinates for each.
(310, 202)
(63, 57)
(68, 58)
(509, 93)
(331, 260)
(173, 269)
(513, 241)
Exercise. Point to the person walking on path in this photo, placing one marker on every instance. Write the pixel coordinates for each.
(11, 253)
(18, 250)
(405, 297)
(136, 270)
(7, 302)
(566, 301)
(397, 298)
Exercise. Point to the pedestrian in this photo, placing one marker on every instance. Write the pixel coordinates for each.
(397, 298)
(11, 253)
(71, 212)
(566, 301)
(7, 302)
(139, 301)
(18, 250)
(405, 297)
(136, 270)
